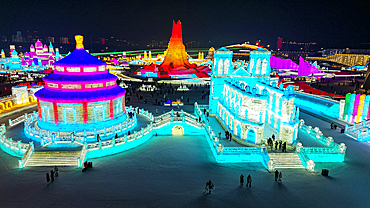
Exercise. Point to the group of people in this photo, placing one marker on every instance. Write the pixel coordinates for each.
(249, 180)
(131, 114)
(210, 186)
(53, 173)
(278, 144)
(161, 89)
(278, 176)
(228, 135)
(333, 126)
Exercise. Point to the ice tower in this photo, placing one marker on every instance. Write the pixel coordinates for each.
(176, 55)
(222, 67)
(175, 63)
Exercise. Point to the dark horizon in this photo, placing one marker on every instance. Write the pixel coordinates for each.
(331, 24)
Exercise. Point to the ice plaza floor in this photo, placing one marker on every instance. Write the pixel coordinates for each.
(172, 172)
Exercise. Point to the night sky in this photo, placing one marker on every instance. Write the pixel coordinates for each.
(330, 23)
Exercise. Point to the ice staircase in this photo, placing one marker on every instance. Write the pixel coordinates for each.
(54, 158)
(286, 160)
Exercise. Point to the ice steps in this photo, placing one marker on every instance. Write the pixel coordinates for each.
(286, 160)
(54, 158)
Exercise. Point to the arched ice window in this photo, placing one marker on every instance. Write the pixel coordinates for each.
(220, 64)
(258, 66)
(264, 66)
(251, 64)
(226, 66)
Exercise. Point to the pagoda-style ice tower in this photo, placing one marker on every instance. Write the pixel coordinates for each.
(175, 63)
(176, 55)
(81, 95)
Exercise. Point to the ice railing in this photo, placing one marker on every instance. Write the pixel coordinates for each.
(26, 156)
(323, 100)
(358, 131)
(331, 146)
(156, 122)
(18, 120)
(82, 157)
(47, 137)
(176, 116)
(218, 147)
(120, 140)
(317, 134)
(266, 158)
(16, 148)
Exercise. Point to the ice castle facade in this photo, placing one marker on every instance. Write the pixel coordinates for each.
(248, 103)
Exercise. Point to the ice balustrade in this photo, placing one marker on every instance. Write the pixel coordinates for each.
(26, 156)
(307, 163)
(121, 140)
(48, 137)
(18, 120)
(176, 116)
(359, 131)
(16, 148)
(266, 158)
(156, 122)
(324, 152)
(218, 147)
(82, 157)
(316, 98)
(317, 134)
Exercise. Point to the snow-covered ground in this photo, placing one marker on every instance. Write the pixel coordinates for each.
(172, 172)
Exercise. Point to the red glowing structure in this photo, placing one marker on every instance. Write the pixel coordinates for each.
(176, 55)
(175, 63)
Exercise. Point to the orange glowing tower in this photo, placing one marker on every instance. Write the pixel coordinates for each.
(175, 63)
(176, 56)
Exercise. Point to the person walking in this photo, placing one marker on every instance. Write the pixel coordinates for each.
(280, 142)
(332, 126)
(280, 176)
(56, 170)
(209, 187)
(284, 147)
(52, 175)
(271, 145)
(219, 135)
(241, 179)
(249, 180)
(276, 175)
(276, 144)
(47, 178)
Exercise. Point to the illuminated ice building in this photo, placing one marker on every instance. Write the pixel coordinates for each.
(248, 103)
(81, 95)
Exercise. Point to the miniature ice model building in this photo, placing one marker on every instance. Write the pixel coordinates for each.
(247, 103)
(81, 95)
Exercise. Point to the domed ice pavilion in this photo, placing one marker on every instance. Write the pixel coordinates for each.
(80, 95)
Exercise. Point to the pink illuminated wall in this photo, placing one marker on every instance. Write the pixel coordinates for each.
(278, 63)
(306, 68)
